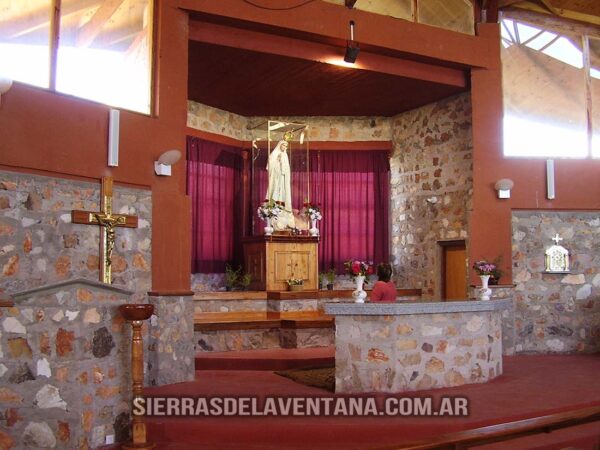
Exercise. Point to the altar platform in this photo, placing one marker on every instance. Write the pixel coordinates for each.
(247, 320)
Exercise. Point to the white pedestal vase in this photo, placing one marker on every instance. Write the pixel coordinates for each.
(268, 228)
(359, 295)
(314, 231)
(485, 292)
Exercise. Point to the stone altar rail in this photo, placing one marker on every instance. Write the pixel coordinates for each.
(416, 346)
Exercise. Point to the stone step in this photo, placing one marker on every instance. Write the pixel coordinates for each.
(252, 330)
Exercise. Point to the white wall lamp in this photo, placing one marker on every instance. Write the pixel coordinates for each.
(5, 84)
(503, 187)
(165, 161)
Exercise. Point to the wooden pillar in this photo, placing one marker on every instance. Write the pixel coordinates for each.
(136, 314)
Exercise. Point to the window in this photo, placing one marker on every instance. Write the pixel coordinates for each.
(25, 41)
(545, 91)
(103, 54)
(454, 15)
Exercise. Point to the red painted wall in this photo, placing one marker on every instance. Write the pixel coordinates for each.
(577, 182)
(45, 131)
(62, 135)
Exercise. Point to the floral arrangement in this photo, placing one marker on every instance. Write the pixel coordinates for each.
(485, 268)
(313, 212)
(295, 282)
(357, 267)
(268, 209)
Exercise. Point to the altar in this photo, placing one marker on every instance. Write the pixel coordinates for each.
(272, 260)
(412, 346)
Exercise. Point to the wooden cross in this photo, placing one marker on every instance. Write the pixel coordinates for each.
(107, 222)
(557, 239)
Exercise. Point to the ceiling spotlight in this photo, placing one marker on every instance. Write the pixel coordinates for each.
(349, 3)
(352, 48)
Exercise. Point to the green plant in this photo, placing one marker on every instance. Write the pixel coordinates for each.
(231, 277)
(295, 281)
(244, 281)
(321, 279)
(330, 275)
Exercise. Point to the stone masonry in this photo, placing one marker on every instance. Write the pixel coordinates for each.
(431, 188)
(417, 351)
(170, 349)
(39, 245)
(322, 128)
(64, 367)
(556, 313)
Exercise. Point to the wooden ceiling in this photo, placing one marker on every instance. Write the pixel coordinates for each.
(252, 83)
(260, 83)
(586, 11)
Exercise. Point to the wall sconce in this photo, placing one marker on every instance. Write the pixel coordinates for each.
(165, 161)
(503, 187)
(5, 84)
(352, 48)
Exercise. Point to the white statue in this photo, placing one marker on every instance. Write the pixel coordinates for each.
(279, 189)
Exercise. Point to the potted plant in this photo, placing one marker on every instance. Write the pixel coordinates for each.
(330, 275)
(312, 212)
(267, 211)
(231, 277)
(244, 281)
(496, 273)
(295, 284)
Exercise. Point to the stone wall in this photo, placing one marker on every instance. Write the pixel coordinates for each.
(396, 353)
(322, 128)
(556, 312)
(64, 367)
(39, 245)
(170, 346)
(431, 188)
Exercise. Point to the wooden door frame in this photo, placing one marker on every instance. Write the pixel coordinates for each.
(443, 244)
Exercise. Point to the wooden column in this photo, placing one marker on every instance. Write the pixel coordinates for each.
(136, 314)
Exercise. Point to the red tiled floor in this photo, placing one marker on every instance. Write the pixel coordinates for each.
(531, 386)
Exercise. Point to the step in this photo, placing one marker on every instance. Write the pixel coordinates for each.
(267, 359)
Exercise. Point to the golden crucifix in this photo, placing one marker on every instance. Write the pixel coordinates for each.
(107, 222)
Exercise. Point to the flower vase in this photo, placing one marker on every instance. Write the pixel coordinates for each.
(314, 231)
(485, 291)
(268, 228)
(359, 295)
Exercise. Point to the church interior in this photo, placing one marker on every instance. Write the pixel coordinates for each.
(197, 199)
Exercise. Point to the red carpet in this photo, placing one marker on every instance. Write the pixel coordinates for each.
(531, 386)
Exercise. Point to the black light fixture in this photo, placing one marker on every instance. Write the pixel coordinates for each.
(352, 48)
(349, 3)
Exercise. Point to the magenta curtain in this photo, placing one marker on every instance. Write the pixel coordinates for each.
(352, 188)
(214, 182)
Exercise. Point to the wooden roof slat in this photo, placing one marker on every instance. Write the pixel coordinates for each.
(92, 29)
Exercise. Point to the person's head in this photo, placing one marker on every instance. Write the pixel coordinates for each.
(283, 146)
(384, 272)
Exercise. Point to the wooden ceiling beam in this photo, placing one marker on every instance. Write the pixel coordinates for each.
(505, 3)
(92, 29)
(587, 11)
(279, 45)
(41, 18)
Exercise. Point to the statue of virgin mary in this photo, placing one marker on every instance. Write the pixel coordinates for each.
(279, 189)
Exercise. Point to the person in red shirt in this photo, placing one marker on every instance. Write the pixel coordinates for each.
(384, 290)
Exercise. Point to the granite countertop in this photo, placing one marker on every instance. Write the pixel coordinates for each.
(421, 307)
